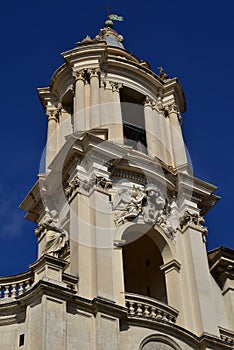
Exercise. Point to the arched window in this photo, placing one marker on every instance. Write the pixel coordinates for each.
(159, 342)
(133, 119)
(142, 273)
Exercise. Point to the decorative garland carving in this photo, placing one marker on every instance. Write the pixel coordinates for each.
(147, 203)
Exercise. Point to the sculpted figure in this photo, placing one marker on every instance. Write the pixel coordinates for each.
(56, 236)
(162, 73)
(129, 204)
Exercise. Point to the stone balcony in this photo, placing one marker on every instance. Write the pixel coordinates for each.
(141, 306)
(16, 285)
(47, 268)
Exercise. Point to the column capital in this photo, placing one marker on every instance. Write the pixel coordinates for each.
(148, 102)
(94, 72)
(79, 75)
(173, 108)
(52, 113)
(115, 86)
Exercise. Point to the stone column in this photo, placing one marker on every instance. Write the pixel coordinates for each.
(79, 121)
(116, 122)
(51, 144)
(178, 147)
(149, 127)
(95, 120)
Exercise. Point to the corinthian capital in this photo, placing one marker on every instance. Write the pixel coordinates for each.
(115, 86)
(52, 113)
(94, 72)
(173, 108)
(79, 75)
(148, 102)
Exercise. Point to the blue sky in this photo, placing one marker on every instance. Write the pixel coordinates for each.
(191, 40)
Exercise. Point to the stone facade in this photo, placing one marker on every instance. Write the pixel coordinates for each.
(122, 261)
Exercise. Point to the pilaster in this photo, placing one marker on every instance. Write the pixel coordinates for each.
(198, 305)
(174, 296)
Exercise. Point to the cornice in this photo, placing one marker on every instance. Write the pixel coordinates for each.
(221, 262)
(180, 333)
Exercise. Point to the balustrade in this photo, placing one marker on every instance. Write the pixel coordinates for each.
(144, 306)
(14, 286)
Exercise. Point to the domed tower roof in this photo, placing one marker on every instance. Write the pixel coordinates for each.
(100, 72)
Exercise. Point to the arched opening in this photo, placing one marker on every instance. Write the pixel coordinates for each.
(67, 102)
(133, 119)
(142, 274)
(159, 342)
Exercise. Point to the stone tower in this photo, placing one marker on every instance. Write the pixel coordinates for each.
(122, 261)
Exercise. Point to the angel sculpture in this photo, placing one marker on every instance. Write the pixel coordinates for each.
(128, 204)
(56, 236)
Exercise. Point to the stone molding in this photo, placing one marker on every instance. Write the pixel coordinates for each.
(221, 263)
(226, 335)
(170, 266)
(159, 340)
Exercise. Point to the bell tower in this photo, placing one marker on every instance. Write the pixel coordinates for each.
(122, 260)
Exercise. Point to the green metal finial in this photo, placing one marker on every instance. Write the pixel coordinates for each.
(109, 23)
(112, 17)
